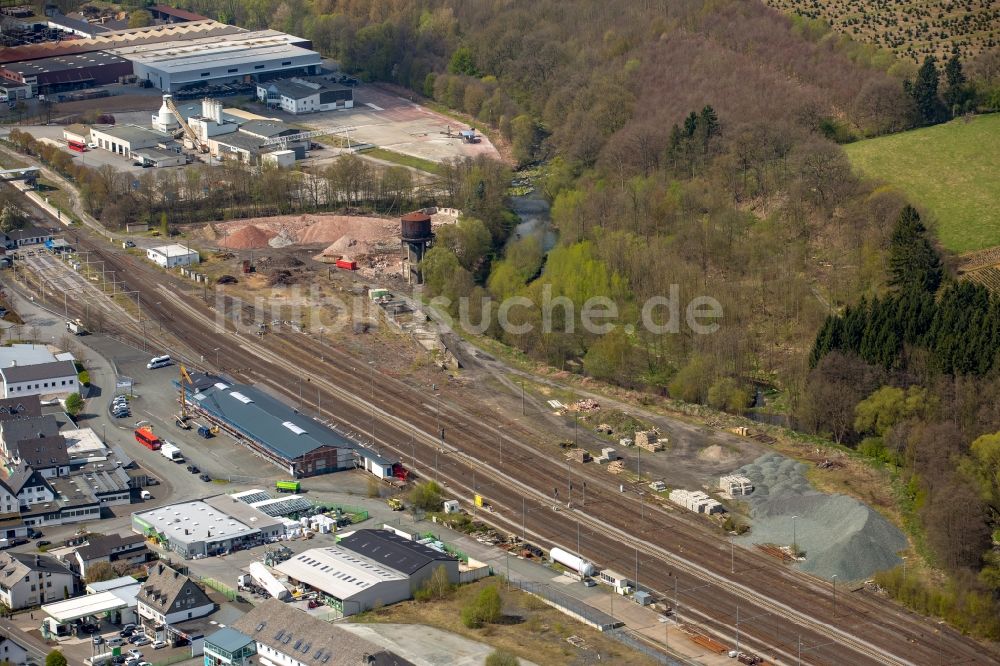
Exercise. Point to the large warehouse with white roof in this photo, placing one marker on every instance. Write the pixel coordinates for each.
(231, 58)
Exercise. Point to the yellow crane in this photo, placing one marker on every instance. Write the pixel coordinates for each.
(191, 134)
(182, 418)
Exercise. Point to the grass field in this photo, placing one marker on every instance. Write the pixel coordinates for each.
(418, 163)
(951, 170)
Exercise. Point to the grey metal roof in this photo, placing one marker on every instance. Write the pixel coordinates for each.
(132, 133)
(62, 63)
(393, 551)
(266, 128)
(77, 24)
(229, 640)
(239, 140)
(38, 371)
(270, 421)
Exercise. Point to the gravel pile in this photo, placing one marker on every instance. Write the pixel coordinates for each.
(840, 536)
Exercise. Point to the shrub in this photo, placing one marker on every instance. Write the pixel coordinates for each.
(486, 608)
(84, 378)
(502, 658)
(426, 496)
(74, 403)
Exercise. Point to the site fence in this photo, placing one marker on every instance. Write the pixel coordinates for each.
(176, 659)
(219, 587)
(627, 638)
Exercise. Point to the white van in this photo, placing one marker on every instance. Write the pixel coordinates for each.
(145, 494)
(158, 362)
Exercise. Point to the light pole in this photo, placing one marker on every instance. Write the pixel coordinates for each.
(795, 547)
(732, 555)
(904, 570)
(834, 579)
(216, 350)
(522, 397)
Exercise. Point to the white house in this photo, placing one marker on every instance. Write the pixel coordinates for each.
(53, 378)
(111, 548)
(12, 651)
(29, 580)
(305, 95)
(168, 597)
(169, 256)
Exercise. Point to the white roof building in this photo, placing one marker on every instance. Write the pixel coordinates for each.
(169, 256)
(199, 529)
(351, 581)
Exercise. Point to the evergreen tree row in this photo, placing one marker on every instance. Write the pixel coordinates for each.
(958, 325)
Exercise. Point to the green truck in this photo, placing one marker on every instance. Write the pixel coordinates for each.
(287, 486)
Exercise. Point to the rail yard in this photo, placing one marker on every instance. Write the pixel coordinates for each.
(743, 595)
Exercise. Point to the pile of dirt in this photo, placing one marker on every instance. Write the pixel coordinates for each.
(716, 453)
(249, 237)
(839, 535)
(331, 228)
(283, 239)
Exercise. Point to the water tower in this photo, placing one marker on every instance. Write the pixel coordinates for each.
(417, 237)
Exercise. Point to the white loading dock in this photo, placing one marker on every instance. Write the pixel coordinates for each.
(349, 581)
(170, 256)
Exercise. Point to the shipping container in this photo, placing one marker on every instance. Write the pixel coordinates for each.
(287, 486)
(347, 264)
(146, 437)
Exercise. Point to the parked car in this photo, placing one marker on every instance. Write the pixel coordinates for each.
(156, 645)
(140, 639)
(135, 654)
(129, 243)
(193, 469)
(127, 631)
(19, 541)
(205, 477)
(41, 543)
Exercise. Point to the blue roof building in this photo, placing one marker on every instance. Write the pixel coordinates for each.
(278, 433)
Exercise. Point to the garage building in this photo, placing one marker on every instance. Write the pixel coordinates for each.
(67, 72)
(170, 256)
(305, 95)
(124, 140)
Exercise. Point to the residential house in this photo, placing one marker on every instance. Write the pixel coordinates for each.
(17, 430)
(30, 580)
(286, 636)
(46, 455)
(29, 486)
(12, 651)
(29, 406)
(111, 548)
(168, 597)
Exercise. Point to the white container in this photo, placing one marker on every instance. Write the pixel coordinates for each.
(574, 562)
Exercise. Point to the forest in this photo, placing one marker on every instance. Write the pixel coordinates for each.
(693, 145)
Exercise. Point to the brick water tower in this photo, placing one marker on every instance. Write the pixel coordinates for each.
(417, 237)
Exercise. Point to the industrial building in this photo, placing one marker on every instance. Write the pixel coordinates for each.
(67, 72)
(415, 560)
(305, 95)
(279, 434)
(233, 58)
(170, 256)
(203, 528)
(347, 581)
(172, 57)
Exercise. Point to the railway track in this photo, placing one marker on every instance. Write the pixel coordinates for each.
(676, 556)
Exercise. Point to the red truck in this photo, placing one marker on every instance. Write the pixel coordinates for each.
(146, 437)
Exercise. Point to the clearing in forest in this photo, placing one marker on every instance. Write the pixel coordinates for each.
(951, 170)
